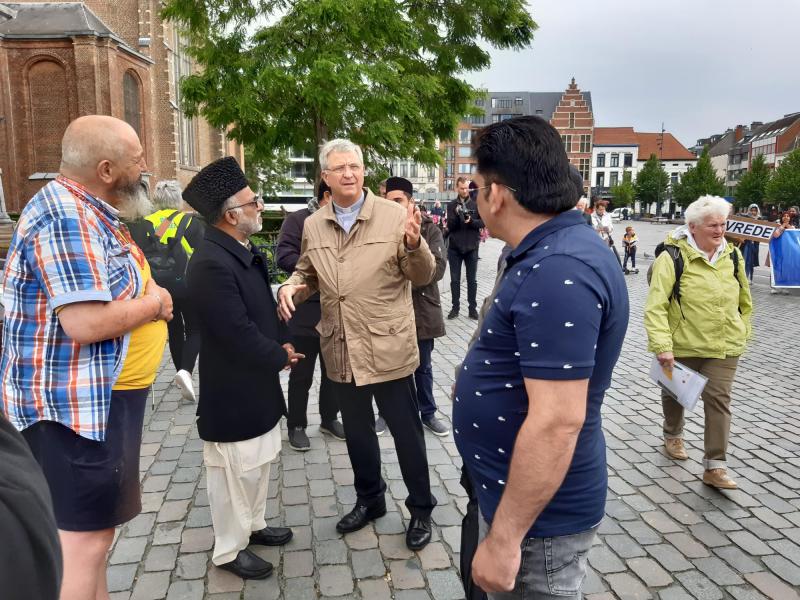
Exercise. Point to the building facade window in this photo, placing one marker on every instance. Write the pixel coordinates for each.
(567, 139)
(449, 169)
(601, 160)
(187, 126)
(613, 178)
(464, 136)
(601, 179)
(431, 175)
(494, 102)
(504, 103)
(673, 178)
(628, 160)
(413, 170)
(449, 185)
(464, 168)
(479, 102)
(132, 101)
(614, 159)
(572, 120)
(583, 167)
(464, 151)
(586, 143)
(518, 101)
(450, 153)
(402, 169)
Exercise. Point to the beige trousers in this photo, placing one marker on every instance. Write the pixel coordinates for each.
(716, 404)
(237, 476)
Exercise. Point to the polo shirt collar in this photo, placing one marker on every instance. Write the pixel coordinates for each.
(568, 218)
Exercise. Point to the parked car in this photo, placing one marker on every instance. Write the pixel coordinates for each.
(616, 214)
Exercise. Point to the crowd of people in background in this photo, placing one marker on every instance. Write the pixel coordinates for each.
(90, 304)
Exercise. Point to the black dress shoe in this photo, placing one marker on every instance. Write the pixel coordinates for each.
(360, 517)
(452, 314)
(418, 534)
(473, 314)
(248, 566)
(271, 536)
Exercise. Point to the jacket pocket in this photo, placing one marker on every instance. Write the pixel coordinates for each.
(329, 347)
(393, 343)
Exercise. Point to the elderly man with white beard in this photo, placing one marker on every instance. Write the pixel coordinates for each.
(243, 349)
(85, 329)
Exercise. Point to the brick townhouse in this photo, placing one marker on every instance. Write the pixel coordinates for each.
(61, 60)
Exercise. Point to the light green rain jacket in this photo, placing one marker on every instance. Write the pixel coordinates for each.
(715, 322)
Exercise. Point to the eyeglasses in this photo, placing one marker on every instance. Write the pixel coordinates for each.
(341, 169)
(257, 201)
(483, 187)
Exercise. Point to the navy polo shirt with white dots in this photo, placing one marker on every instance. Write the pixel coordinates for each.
(561, 313)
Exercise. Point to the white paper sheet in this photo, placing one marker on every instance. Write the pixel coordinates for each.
(683, 383)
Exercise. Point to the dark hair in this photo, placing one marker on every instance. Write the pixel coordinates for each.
(323, 187)
(577, 180)
(526, 154)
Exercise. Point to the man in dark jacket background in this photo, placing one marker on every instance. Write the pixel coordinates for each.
(427, 308)
(464, 237)
(241, 355)
(304, 337)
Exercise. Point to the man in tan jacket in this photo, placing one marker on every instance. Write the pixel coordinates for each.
(363, 253)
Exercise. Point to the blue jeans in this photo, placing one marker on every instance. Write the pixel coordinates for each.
(551, 568)
(423, 378)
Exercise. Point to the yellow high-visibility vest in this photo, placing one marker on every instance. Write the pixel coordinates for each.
(158, 217)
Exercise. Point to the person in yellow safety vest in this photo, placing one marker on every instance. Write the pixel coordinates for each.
(168, 221)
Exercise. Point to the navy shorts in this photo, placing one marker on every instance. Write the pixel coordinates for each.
(94, 485)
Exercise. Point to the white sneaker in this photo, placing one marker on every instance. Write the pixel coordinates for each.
(183, 379)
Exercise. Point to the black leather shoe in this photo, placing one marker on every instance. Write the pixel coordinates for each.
(360, 517)
(473, 314)
(418, 534)
(248, 566)
(271, 536)
(452, 314)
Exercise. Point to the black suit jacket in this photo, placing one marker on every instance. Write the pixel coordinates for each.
(305, 318)
(241, 354)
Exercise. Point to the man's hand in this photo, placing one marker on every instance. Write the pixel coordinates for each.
(153, 289)
(285, 304)
(413, 224)
(495, 565)
(292, 357)
(666, 360)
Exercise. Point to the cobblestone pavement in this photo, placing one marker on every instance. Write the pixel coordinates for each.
(666, 535)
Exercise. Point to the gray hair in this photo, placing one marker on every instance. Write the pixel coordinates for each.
(706, 206)
(338, 145)
(168, 195)
(216, 215)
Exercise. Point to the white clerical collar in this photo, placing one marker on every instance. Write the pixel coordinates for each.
(354, 208)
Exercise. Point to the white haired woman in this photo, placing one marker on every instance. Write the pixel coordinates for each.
(168, 238)
(702, 320)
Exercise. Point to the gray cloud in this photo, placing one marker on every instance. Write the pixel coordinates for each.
(700, 66)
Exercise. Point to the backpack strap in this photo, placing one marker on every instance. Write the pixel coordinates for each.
(677, 263)
(181, 231)
(735, 259)
(165, 224)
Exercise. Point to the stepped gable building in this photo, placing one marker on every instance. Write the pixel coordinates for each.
(61, 60)
(570, 112)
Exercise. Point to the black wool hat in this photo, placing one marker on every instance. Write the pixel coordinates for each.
(399, 183)
(214, 184)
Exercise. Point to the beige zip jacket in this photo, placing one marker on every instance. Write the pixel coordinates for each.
(367, 330)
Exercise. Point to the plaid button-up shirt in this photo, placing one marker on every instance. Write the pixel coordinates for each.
(68, 247)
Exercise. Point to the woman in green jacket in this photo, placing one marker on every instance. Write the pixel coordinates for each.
(705, 326)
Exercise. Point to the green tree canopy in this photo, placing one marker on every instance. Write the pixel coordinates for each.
(698, 181)
(385, 73)
(267, 174)
(752, 187)
(651, 182)
(784, 186)
(624, 192)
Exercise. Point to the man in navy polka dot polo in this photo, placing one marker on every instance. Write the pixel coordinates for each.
(526, 411)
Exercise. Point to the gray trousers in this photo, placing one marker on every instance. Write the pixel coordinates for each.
(551, 568)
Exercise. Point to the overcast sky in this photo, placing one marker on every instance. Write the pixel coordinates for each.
(700, 66)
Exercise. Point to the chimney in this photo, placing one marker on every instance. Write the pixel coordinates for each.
(754, 125)
(738, 133)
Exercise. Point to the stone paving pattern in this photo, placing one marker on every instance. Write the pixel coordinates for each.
(666, 535)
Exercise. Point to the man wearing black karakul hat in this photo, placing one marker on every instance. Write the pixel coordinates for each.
(241, 355)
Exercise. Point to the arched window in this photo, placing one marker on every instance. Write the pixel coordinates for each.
(132, 101)
(49, 113)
